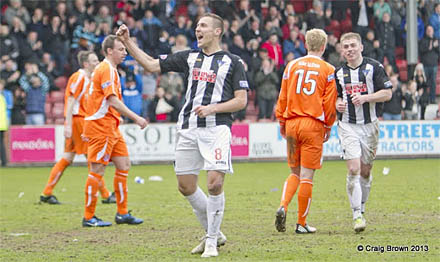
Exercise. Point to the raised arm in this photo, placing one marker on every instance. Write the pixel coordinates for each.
(148, 63)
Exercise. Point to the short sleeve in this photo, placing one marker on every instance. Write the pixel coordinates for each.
(108, 82)
(77, 86)
(239, 80)
(175, 62)
(380, 78)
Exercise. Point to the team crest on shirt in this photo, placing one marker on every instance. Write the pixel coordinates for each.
(220, 63)
(106, 157)
(163, 57)
(366, 71)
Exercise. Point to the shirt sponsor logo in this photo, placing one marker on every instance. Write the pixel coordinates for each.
(208, 76)
(387, 84)
(355, 88)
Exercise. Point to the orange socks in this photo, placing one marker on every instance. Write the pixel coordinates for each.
(289, 190)
(120, 187)
(55, 175)
(304, 200)
(103, 190)
(92, 185)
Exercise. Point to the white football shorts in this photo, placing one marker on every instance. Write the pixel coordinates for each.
(359, 140)
(206, 148)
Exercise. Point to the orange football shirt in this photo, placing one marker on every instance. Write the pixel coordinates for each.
(308, 89)
(76, 87)
(101, 118)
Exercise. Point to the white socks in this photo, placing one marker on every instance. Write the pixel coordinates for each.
(199, 202)
(215, 210)
(354, 193)
(365, 186)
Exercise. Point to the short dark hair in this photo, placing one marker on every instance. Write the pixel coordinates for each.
(109, 42)
(218, 22)
(83, 56)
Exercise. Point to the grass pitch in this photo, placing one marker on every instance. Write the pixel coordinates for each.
(403, 211)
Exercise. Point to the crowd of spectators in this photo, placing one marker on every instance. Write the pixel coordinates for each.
(40, 39)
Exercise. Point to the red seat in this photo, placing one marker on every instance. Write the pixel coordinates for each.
(346, 25)
(56, 96)
(58, 110)
(402, 64)
(61, 82)
(59, 121)
(400, 52)
(403, 75)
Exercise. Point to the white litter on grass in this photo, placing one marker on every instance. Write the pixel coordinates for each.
(75, 240)
(386, 171)
(139, 180)
(64, 189)
(20, 194)
(19, 234)
(438, 198)
(274, 190)
(155, 178)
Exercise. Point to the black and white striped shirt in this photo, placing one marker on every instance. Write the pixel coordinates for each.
(368, 78)
(209, 79)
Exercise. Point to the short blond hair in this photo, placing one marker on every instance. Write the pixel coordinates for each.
(351, 35)
(315, 39)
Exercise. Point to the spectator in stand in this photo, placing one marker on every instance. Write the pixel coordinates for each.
(434, 21)
(372, 47)
(36, 86)
(9, 44)
(181, 44)
(55, 41)
(238, 48)
(164, 107)
(18, 115)
(292, 23)
(10, 74)
(85, 31)
(336, 58)
(183, 27)
(36, 23)
(31, 48)
(131, 85)
(48, 66)
(294, 45)
(381, 7)
(4, 121)
(420, 29)
(254, 31)
(398, 12)
(410, 98)
(16, 9)
(288, 11)
(149, 83)
(104, 16)
(393, 108)
(269, 29)
(61, 11)
(80, 11)
(317, 17)
(152, 28)
(266, 83)
(172, 83)
(9, 99)
(422, 88)
(102, 31)
(18, 32)
(274, 50)
(429, 56)
(361, 15)
(257, 58)
(387, 39)
(163, 46)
